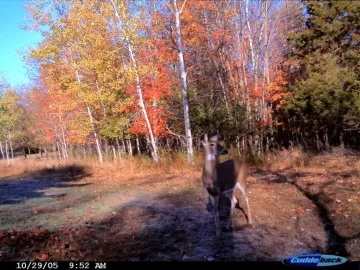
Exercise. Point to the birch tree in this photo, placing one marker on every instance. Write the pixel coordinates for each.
(183, 78)
(126, 25)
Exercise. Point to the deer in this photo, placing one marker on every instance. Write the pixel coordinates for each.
(222, 178)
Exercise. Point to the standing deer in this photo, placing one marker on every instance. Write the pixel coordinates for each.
(222, 178)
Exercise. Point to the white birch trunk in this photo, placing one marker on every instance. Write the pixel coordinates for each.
(114, 153)
(1, 150)
(138, 89)
(266, 54)
(98, 149)
(129, 145)
(7, 151)
(138, 145)
(11, 147)
(189, 143)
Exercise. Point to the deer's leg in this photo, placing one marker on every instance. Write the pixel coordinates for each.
(215, 203)
(247, 201)
(233, 200)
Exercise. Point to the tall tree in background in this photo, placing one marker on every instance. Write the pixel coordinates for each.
(128, 26)
(325, 72)
(117, 61)
(10, 114)
(176, 10)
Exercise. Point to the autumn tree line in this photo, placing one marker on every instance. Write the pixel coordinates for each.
(149, 77)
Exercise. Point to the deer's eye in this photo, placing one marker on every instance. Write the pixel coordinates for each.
(212, 145)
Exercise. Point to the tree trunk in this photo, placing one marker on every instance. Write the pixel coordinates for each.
(257, 145)
(7, 150)
(90, 116)
(101, 101)
(138, 88)
(297, 138)
(243, 146)
(129, 146)
(189, 143)
(238, 145)
(2, 151)
(120, 154)
(267, 147)
(98, 149)
(251, 146)
(63, 141)
(114, 153)
(242, 78)
(326, 141)
(167, 143)
(123, 146)
(266, 54)
(63, 151)
(218, 70)
(318, 142)
(148, 144)
(118, 147)
(303, 140)
(224, 90)
(11, 147)
(341, 138)
(106, 147)
(138, 145)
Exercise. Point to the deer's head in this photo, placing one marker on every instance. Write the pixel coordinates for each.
(212, 147)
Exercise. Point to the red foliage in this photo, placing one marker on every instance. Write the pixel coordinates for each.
(155, 86)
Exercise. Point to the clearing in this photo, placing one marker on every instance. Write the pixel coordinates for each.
(69, 213)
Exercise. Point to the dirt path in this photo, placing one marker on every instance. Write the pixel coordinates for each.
(168, 217)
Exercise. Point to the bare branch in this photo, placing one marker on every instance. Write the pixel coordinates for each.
(169, 6)
(182, 6)
(182, 138)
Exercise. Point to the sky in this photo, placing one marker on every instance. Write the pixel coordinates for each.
(14, 39)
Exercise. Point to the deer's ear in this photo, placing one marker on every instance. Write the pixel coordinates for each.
(203, 143)
(205, 137)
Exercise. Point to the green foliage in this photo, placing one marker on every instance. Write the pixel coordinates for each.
(326, 60)
(115, 127)
(229, 123)
(9, 112)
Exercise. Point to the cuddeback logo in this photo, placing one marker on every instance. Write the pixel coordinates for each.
(314, 260)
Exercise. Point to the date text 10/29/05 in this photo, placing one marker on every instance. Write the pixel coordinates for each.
(57, 265)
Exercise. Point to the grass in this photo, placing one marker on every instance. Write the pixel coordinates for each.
(301, 203)
(131, 166)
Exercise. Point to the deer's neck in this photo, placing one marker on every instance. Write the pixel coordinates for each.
(209, 170)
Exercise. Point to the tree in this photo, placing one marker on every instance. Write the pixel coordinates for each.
(189, 140)
(325, 71)
(126, 25)
(10, 112)
(78, 47)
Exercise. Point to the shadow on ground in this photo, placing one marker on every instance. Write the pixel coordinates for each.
(159, 226)
(33, 185)
(161, 229)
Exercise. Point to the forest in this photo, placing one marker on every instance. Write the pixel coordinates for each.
(121, 95)
(112, 79)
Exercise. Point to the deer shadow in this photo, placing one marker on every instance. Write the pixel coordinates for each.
(224, 213)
